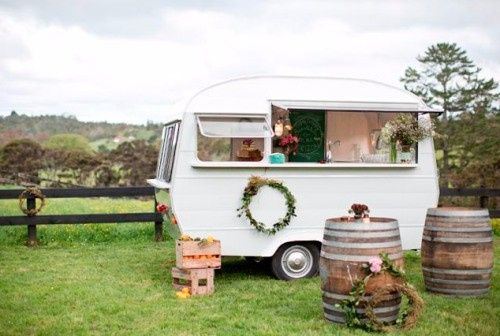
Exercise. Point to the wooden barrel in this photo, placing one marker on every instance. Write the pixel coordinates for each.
(346, 247)
(457, 251)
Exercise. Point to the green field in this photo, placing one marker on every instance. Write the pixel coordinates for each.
(114, 280)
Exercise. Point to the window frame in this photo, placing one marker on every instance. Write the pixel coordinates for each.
(166, 156)
(264, 116)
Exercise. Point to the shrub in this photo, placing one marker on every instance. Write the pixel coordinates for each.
(71, 142)
(495, 224)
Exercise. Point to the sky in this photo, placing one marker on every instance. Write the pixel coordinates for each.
(130, 61)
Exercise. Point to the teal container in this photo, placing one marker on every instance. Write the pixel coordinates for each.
(277, 158)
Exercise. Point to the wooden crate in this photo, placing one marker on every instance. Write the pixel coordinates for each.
(191, 254)
(199, 281)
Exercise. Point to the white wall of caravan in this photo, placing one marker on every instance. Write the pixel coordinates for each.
(205, 199)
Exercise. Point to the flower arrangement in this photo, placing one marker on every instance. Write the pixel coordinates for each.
(407, 130)
(359, 210)
(289, 143)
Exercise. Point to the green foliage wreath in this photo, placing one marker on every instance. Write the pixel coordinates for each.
(252, 188)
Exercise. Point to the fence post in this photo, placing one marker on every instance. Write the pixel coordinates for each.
(483, 201)
(159, 231)
(31, 205)
(158, 226)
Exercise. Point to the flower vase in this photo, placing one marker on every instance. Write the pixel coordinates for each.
(358, 217)
(394, 152)
(406, 155)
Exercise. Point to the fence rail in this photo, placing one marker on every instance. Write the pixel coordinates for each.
(32, 221)
(483, 193)
(84, 192)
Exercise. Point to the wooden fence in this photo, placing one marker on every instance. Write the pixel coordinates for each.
(484, 195)
(32, 221)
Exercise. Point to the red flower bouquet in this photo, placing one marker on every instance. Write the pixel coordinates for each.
(289, 143)
(359, 210)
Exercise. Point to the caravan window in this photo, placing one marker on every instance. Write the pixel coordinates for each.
(167, 152)
(232, 138)
(234, 127)
(339, 136)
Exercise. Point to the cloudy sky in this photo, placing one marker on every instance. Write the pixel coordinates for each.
(122, 60)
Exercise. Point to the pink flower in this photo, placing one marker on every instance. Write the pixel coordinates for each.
(375, 268)
(375, 264)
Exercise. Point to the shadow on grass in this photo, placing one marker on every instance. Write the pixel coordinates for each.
(238, 267)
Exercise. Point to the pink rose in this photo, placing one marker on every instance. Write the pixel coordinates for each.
(375, 268)
(375, 264)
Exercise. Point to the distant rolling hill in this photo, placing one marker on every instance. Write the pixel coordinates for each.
(40, 128)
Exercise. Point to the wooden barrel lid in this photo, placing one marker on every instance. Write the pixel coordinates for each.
(457, 212)
(379, 223)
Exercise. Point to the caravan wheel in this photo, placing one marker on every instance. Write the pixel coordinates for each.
(295, 260)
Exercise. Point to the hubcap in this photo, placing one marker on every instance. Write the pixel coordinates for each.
(297, 261)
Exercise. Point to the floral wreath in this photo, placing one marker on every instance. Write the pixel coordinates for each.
(252, 188)
(409, 316)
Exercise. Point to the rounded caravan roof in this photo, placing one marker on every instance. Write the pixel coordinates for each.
(253, 95)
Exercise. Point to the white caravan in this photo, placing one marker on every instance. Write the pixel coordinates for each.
(203, 166)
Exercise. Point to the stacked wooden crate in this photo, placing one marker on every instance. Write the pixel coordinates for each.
(195, 265)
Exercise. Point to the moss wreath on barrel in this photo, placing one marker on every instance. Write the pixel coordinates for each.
(252, 188)
(408, 317)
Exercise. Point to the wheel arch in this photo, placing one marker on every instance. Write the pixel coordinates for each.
(303, 237)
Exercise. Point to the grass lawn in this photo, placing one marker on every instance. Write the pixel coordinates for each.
(113, 279)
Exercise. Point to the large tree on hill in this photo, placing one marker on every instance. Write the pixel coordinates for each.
(71, 142)
(447, 78)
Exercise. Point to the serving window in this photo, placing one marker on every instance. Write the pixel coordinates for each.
(232, 138)
(323, 136)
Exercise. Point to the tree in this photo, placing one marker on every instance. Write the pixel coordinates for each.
(81, 165)
(72, 142)
(20, 161)
(449, 79)
(137, 161)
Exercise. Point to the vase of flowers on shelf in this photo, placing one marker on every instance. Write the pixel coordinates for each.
(360, 211)
(406, 131)
(289, 144)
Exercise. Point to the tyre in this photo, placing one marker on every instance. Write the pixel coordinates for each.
(295, 261)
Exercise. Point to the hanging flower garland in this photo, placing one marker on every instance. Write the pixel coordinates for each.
(252, 188)
(375, 266)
